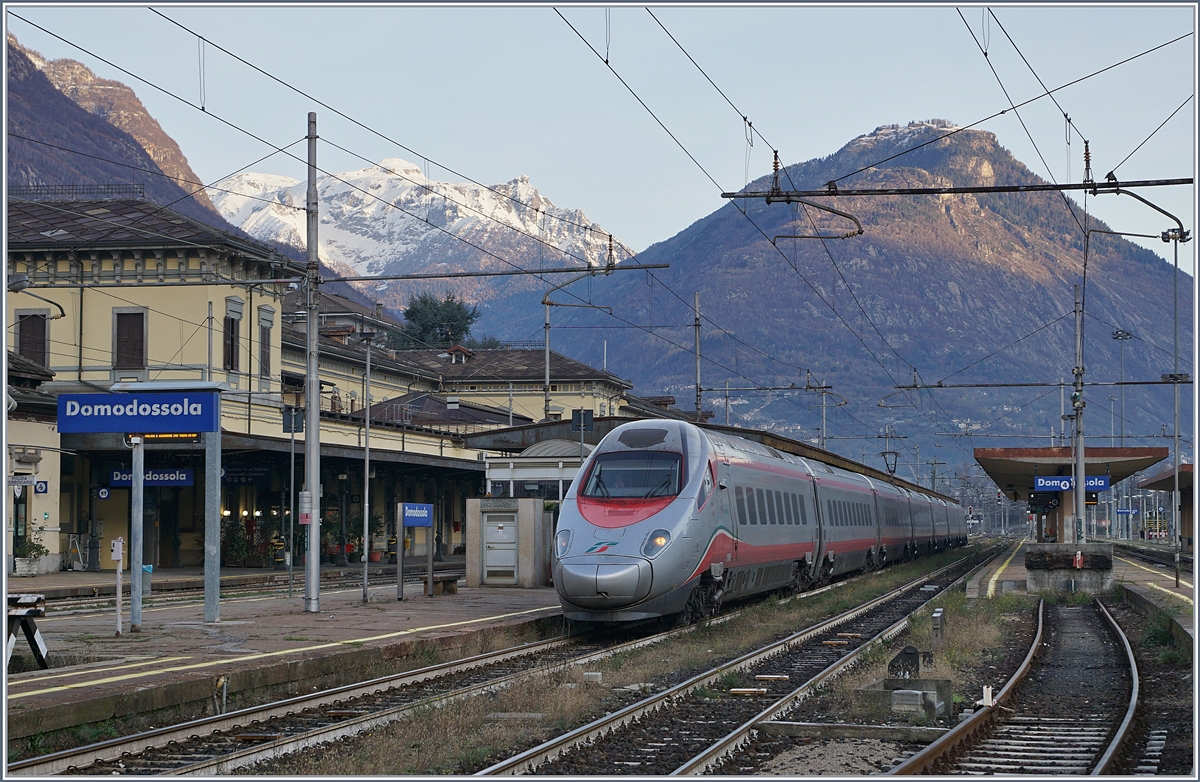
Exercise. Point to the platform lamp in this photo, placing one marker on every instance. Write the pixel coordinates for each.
(367, 337)
(1122, 336)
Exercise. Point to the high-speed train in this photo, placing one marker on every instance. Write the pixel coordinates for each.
(666, 518)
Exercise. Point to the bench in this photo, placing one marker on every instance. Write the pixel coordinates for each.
(22, 610)
(445, 584)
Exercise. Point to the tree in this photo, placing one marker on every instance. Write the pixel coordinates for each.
(435, 322)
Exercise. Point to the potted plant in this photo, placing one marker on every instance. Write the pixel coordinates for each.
(234, 547)
(378, 530)
(28, 553)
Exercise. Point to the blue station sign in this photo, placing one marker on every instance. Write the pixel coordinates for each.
(416, 514)
(139, 413)
(1067, 483)
(155, 476)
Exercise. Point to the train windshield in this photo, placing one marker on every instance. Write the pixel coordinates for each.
(635, 475)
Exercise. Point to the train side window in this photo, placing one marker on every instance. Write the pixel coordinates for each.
(841, 512)
(784, 508)
(786, 499)
(769, 501)
(798, 501)
(741, 504)
(750, 506)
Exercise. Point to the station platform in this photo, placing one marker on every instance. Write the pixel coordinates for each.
(1155, 584)
(265, 645)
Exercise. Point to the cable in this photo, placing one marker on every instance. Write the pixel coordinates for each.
(1005, 111)
(162, 174)
(1021, 119)
(1031, 70)
(629, 253)
(350, 119)
(749, 125)
(1006, 347)
(1146, 342)
(1160, 127)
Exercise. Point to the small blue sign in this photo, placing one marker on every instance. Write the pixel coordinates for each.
(41, 487)
(1067, 483)
(1127, 511)
(197, 411)
(154, 476)
(416, 515)
(103, 494)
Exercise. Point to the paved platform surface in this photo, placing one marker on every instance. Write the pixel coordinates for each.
(260, 638)
(1156, 583)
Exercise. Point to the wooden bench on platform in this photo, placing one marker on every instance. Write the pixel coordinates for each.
(445, 583)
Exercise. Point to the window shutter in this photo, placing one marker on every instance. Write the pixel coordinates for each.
(31, 335)
(131, 347)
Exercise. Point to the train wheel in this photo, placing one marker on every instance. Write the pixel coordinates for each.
(696, 607)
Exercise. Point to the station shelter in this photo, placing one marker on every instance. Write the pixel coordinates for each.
(1015, 471)
(1165, 481)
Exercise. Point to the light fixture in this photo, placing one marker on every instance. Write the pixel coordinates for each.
(225, 513)
(257, 514)
(245, 513)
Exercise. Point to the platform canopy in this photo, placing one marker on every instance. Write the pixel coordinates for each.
(1014, 469)
(1165, 480)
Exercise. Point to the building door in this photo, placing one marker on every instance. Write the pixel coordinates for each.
(499, 548)
(20, 517)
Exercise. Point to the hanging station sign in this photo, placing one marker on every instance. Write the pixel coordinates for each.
(144, 413)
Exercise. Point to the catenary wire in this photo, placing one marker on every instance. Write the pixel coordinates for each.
(1160, 127)
(350, 119)
(1021, 119)
(1017, 106)
(162, 174)
(745, 119)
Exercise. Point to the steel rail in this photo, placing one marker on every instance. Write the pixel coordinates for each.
(719, 749)
(227, 764)
(549, 750)
(114, 749)
(921, 762)
(1106, 759)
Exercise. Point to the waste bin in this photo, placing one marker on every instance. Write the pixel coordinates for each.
(147, 576)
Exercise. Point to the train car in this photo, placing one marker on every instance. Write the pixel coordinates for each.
(668, 519)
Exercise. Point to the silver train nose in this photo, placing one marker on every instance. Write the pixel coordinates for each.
(603, 583)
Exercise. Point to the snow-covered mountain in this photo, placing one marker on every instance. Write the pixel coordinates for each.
(390, 219)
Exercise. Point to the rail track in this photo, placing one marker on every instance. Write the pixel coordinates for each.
(162, 596)
(1066, 710)
(1154, 556)
(223, 743)
(691, 726)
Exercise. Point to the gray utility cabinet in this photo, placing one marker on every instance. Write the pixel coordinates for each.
(508, 542)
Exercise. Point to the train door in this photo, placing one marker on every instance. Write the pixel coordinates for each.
(724, 504)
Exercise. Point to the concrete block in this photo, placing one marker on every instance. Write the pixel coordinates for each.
(907, 700)
(593, 677)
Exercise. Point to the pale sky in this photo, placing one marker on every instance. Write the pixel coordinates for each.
(497, 92)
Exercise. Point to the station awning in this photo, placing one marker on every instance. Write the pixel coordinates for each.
(1165, 480)
(1014, 469)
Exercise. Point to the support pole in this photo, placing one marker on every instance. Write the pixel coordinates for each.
(138, 493)
(292, 503)
(312, 391)
(1176, 503)
(1076, 532)
(366, 466)
(212, 523)
(546, 404)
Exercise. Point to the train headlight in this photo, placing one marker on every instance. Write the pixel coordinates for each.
(654, 544)
(562, 542)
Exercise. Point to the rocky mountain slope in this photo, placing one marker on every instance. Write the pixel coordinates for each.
(119, 106)
(963, 289)
(390, 219)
